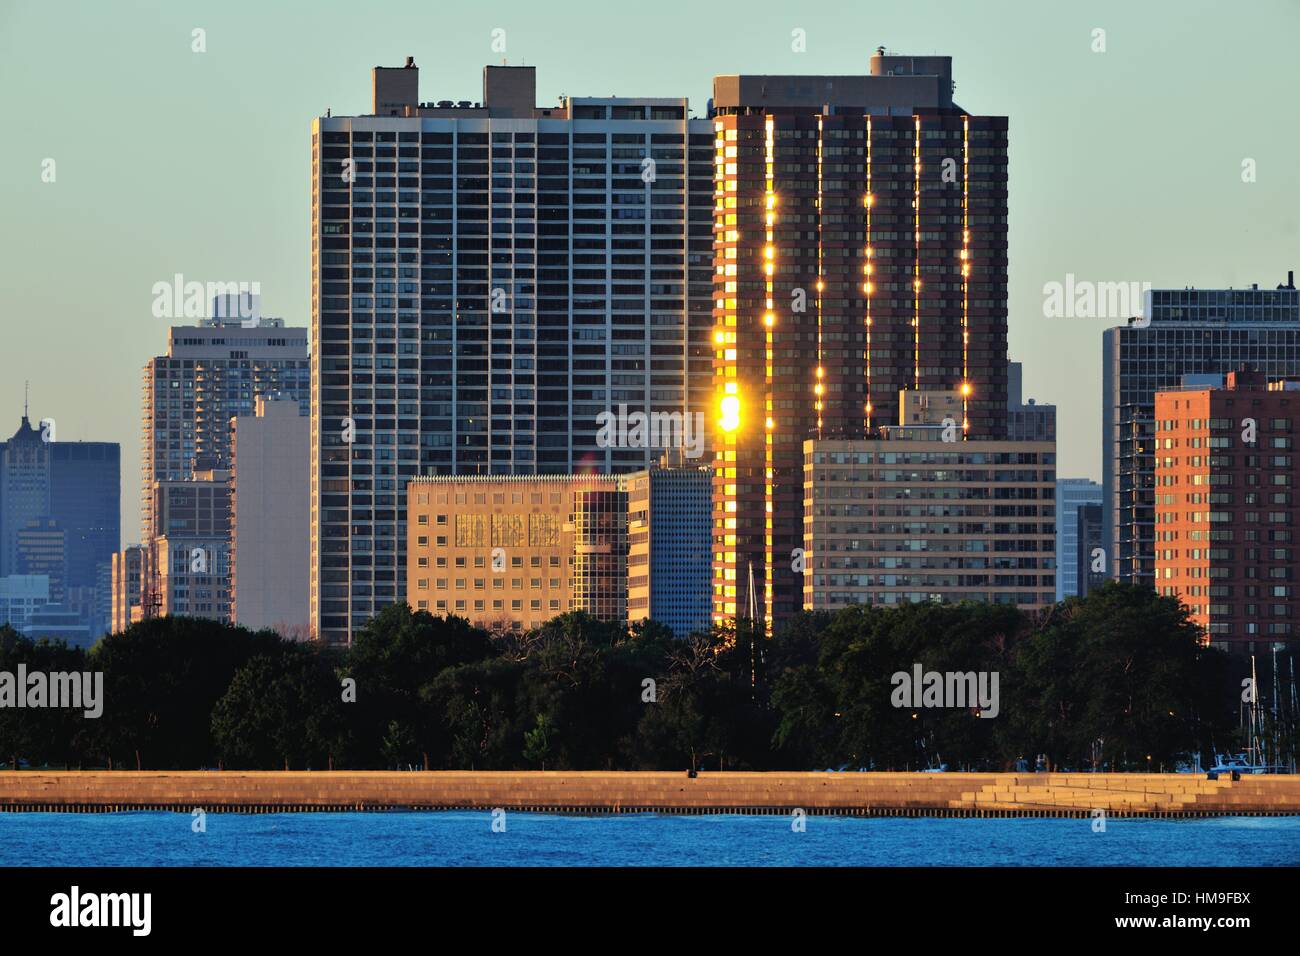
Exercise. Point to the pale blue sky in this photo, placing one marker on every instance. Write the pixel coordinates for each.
(1125, 165)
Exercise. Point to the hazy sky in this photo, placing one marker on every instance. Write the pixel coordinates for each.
(1126, 165)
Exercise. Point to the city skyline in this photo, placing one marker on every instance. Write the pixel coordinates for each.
(1121, 125)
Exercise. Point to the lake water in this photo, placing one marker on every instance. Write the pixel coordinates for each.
(464, 838)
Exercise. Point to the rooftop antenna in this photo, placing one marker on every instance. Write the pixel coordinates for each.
(27, 393)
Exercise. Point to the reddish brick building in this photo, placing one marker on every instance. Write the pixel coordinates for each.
(1225, 506)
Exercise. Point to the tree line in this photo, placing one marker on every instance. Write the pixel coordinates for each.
(1117, 680)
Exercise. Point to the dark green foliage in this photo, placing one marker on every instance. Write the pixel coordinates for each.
(1105, 681)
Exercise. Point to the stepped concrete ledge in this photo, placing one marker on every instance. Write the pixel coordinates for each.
(859, 794)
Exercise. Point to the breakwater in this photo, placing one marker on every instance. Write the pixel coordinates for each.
(853, 794)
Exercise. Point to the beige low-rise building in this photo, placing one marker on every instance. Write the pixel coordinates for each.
(509, 552)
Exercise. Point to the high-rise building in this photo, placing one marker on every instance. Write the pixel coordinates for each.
(919, 514)
(186, 565)
(66, 490)
(669, 534)
(511, 552)
(127, 588)
(1226, 508)
(860, 227)
(488, 280)
(1182, 334)
(1027, 420)
(1071, 495)
(1090, 565)
(24, 487)
(86, 500)
(270, 516)
(210, 373)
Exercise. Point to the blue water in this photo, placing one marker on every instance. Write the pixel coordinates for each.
(534, 839)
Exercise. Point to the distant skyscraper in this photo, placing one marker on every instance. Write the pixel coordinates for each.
(1089, 573)
(24, 488)
(66, 490)
(212, 372)
(1071, 495)
(1027, 421)
(186, 566)
(270, 517)
(127, 588)
(488, 279)
(860, 249)
(21, 596)
(669, 532)
(1184, 334)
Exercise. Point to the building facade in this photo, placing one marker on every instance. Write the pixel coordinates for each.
(60, 507)
(919, 514)
(210, 373)
(488, 280)
(512, 552)
(1225, 507)
(270, 542)
(128, 588)
(1183, 334)
(24, 487)
(860, 249)
(1071, 495)
(669, 534)
(21, 596)
(1090, 564)
(1027, 420)
(186, 568)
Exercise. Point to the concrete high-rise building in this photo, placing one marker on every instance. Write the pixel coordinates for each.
(1183, 335)
(511, 552)
(1027, 421)
(1071, 495)
(488, 280)
(860, 227)
(210, 373)
(919, 514)
(270, 516)
(1226, 509)
(669, 532)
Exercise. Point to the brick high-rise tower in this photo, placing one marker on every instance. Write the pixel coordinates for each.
(860, 248)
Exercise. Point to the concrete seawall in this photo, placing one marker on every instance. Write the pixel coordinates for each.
(857, 794)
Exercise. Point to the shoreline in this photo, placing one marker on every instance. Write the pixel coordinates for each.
(608, 792)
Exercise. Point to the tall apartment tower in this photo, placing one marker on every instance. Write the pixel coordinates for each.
(860, 249)
(211, 372)
(488, 280)
(1185, 337)
(1225, 507)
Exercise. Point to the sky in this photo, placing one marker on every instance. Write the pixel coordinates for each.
(1160, 150)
